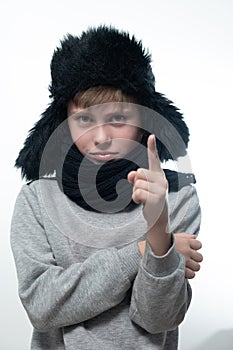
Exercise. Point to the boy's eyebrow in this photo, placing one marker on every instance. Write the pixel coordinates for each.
(126, 111)
(80, 113)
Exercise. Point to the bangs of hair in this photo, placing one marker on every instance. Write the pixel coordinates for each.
(100, 94)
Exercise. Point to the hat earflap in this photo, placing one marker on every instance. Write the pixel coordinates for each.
(30, 157)
(171, 130)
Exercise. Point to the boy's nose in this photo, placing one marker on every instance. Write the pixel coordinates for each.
(101, 136)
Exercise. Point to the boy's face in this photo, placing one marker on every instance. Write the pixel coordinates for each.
(105, 132)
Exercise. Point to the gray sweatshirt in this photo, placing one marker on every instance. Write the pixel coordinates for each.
(82, 280)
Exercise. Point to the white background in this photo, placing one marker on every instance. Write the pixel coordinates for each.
(192, 48)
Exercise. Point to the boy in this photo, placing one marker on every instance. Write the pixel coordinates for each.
(95, 254)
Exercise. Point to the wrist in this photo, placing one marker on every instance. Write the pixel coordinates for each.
(158, 235)
(162, 224)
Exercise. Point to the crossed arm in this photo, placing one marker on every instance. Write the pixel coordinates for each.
(188, 245)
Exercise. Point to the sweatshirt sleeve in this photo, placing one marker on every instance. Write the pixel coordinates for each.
(54, 296)
(161, 295)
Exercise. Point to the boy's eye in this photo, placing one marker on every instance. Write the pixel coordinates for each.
(118, 118)
(83, 119)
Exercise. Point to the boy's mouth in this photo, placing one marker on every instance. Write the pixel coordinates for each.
(103, 156)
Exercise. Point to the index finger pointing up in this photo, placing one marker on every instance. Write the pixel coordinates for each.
(153, 158)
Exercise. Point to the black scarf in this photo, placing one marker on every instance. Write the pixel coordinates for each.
(98, 187)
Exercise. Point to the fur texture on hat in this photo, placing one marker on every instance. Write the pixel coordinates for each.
(100, 56)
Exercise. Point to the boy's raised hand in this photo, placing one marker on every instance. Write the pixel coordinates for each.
(150, 185)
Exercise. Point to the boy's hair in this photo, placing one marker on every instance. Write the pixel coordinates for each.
(100, 94)
(102, 56)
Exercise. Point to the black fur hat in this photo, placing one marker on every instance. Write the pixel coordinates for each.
(100, 56)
